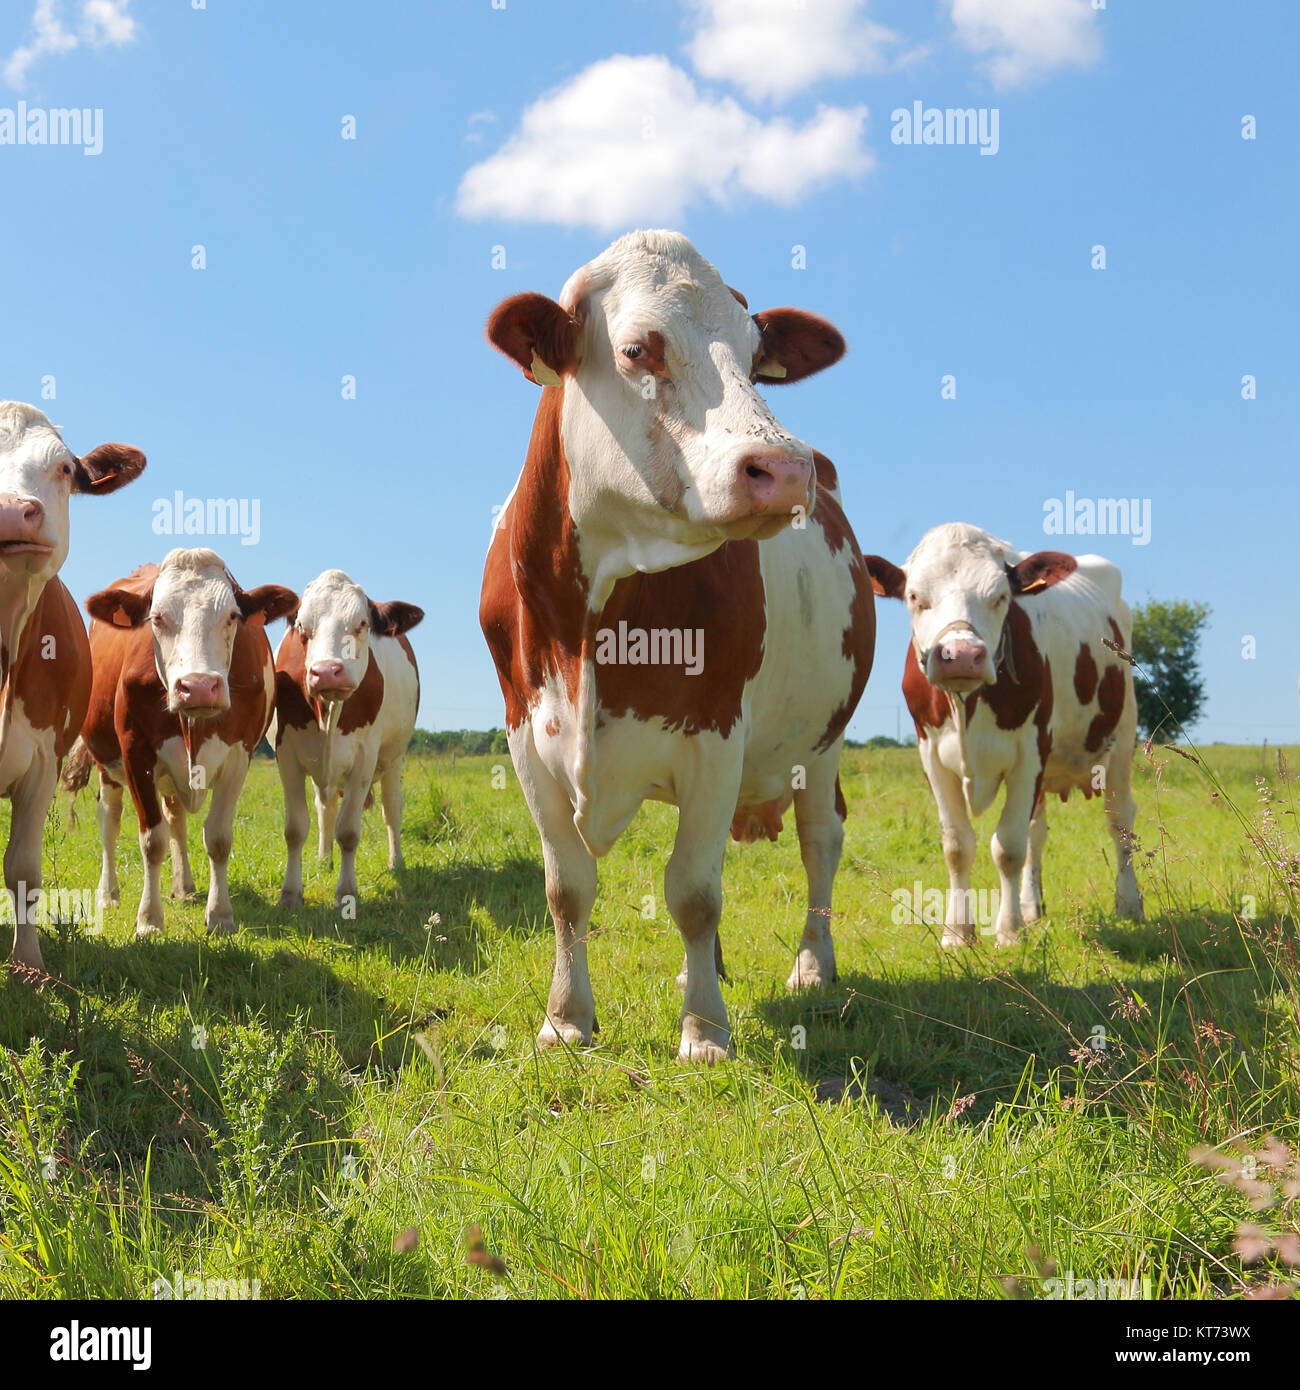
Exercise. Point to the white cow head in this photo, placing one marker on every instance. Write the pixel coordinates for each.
(38, 473)
(670, 447)
(958, 585)
(337, 621)
(195, 609)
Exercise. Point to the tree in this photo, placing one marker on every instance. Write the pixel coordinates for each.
(1166, 637)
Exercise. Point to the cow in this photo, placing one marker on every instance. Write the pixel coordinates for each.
(183, 691)
(346, 694)
(1014, 677)
(674, 602)
(44, 654)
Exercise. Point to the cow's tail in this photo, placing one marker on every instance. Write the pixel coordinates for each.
(75, 775)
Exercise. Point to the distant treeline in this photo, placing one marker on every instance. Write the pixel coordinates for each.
(469, 743)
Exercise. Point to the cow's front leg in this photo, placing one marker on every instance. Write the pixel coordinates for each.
(31, 800)
(347, 831)
(392, 801)
(153, 839)
(108, 813)
(218, 836)
(821, 840)
(958, 847)
(1010, 848)
(1031, 881)
(327, 809)
(1121, 813)
(693, 893)
(297, 823)
(179, 848)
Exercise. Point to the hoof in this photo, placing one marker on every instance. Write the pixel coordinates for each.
(1006, 939)
(955, 937)
(702, 1050)
(809, 977)
(561, 1033)
(107, 899)
(146, 930)
(27, 959)
(221, 926)
(1130, 911)
(289, 901)
(185, 895)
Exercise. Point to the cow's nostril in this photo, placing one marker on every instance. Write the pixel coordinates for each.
(754, 471)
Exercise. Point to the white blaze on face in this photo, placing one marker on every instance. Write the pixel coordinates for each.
(334, 618)
(195, 617)
(661, 409)
(958, 595)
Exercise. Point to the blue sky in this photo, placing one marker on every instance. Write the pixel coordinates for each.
(373, 258)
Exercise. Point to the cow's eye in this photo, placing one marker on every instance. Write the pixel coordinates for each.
(66, 470)
(1002, 599)
(632, 351)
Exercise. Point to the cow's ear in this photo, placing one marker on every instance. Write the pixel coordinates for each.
(794, 345)
(886, 579)
(393, 619)
(266, 603)
(107, 468)
(1040, 570)
(540, 335)
(120, 607)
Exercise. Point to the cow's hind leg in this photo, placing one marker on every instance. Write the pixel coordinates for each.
(1032, 906)
(392, 801)
(1121, 812)
(178, 844)
(108, 812)
(820, 823)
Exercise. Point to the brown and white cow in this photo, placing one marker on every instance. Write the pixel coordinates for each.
(1010, 683)
(347, 691)
(43, 648)
(663, 512)
(184, 688)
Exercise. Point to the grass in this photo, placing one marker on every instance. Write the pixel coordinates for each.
(324, 1106)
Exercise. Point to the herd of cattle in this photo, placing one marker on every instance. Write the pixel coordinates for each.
(661, 508)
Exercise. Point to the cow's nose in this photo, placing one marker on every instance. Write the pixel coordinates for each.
(774, 480)
(21, 520)
(330, 676)
(957, 659)
(195, 693)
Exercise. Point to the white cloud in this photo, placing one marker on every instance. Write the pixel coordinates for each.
(775, 48)
(1026, 39)
(631, 141)
(102, 23)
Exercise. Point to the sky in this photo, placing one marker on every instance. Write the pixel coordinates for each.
(273, 273)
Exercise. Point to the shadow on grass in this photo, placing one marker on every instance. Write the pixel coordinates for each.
(975, 1023)
(392, 914)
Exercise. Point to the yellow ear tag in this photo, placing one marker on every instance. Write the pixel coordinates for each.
(544, 376)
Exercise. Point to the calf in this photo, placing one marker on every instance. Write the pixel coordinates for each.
(675, 603)
(184, 687)
(1011, 682)
(346, 694)
(43, 649)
